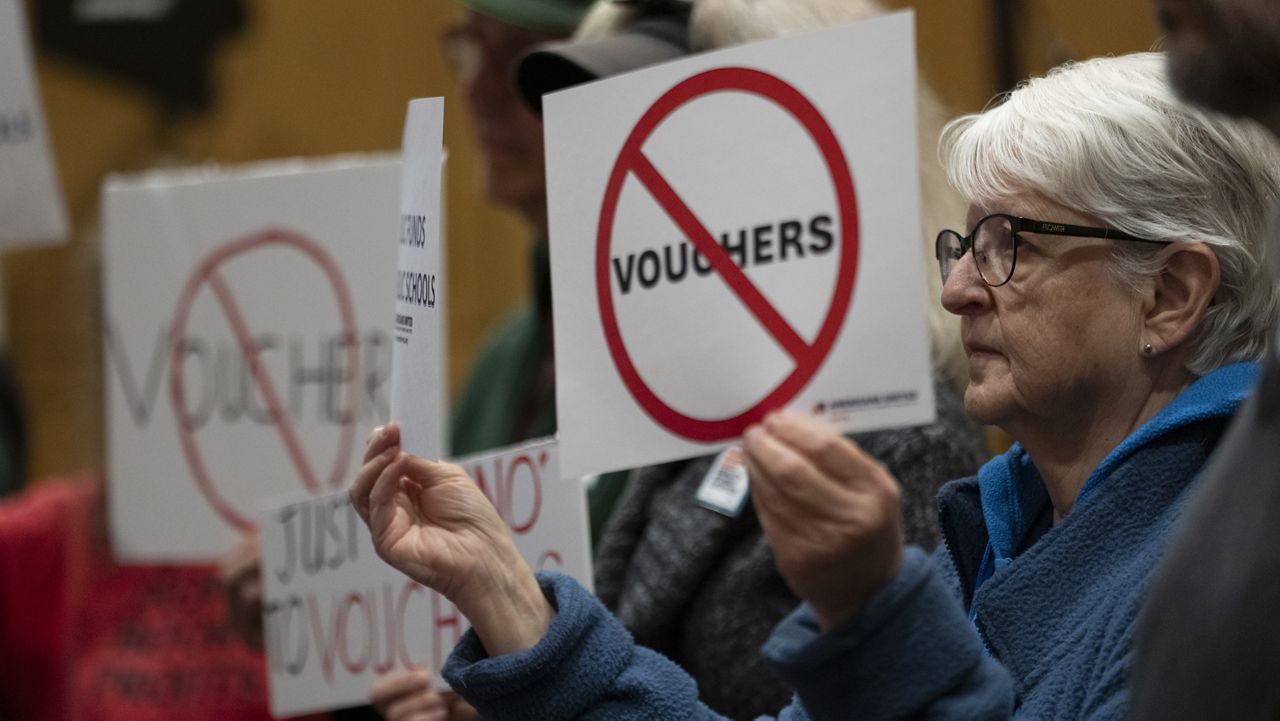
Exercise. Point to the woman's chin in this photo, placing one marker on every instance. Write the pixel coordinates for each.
(985, 404)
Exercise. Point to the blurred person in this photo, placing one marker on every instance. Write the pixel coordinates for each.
(694, 584)
(509, 395)
(1209, 640)
(633, 40)
(1111, 332)
(501, 390)
(85, 637)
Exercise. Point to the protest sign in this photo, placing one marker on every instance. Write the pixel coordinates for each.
(336, 617)
(736, 232)
(545, 510)
(31, 208)
(418, 358)
(248, 343)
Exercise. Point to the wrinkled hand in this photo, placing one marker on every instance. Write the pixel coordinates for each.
(408, 696)
(240, 573)
(831, 512)
(432, 522)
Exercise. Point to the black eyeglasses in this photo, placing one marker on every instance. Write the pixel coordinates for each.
(995, 242)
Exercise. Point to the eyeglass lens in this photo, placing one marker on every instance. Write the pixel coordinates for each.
(993, 250)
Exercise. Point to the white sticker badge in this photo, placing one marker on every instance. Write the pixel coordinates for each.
(724, 490)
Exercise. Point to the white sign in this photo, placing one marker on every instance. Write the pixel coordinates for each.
(336, 617)
(417, 375)
(737, 232)
(545, 509)
(248, 343)
(31, 208)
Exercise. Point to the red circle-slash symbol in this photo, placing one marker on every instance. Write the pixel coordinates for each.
(808, 357)
(207, 272)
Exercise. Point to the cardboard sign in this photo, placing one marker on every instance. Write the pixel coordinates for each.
(418, 359)
(336, 617)
(737, 232)
(31, 208)
(248, 344)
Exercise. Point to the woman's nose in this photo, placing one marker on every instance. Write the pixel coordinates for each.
(965, 292)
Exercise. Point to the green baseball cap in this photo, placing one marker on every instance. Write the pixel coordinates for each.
(552, 15)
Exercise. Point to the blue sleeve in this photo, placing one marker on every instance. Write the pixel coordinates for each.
(586, 667)
(911, 653)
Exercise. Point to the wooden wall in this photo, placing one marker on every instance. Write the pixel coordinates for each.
(316, 77)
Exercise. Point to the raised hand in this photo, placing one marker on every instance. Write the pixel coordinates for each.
(831, 512)
(431, 521)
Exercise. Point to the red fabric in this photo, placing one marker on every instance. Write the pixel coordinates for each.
(84, 638)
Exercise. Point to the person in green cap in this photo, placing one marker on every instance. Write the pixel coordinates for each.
(509, 395)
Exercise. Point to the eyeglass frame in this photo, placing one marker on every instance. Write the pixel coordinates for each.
(1018, 225)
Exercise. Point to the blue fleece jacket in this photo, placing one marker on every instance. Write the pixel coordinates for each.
(1055, 606)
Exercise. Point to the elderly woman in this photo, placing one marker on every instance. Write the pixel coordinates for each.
(1110, 295)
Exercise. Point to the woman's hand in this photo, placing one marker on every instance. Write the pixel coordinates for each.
(831, 512)
(408, 696)
(432, 522)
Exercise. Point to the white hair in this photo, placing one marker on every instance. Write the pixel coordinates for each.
(722, 23)
(603, 19)
(1108, 138)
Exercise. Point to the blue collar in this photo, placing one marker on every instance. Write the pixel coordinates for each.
(1013, 493)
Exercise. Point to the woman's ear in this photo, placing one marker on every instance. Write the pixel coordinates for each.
(1180, 294)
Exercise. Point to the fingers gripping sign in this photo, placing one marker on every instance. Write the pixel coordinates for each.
(380, 449)
(830, 511)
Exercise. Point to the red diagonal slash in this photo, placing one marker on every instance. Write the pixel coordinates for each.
(240, 329)
(207, 272)
(696, 232)
(809, 356)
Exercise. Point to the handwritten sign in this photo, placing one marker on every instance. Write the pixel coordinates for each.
(546, 512)
(248, 344)
(31, 208)
(336, 617)
(418, 357)
(729, 239)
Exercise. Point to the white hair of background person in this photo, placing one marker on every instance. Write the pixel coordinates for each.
(1107, 137)
(722, 23)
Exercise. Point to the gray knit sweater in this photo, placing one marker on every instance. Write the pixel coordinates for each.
(702, 589)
